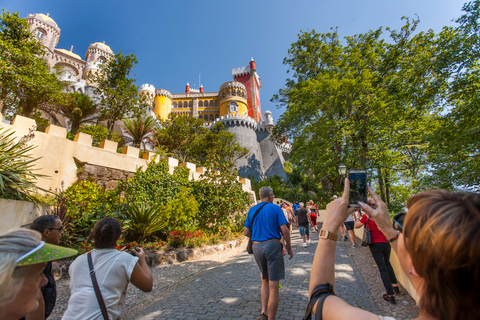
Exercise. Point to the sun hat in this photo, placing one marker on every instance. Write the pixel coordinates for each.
(44, 252)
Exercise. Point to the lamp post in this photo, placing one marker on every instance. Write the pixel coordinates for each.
(342, 169)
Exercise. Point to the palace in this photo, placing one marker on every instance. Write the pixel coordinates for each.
(236, 103)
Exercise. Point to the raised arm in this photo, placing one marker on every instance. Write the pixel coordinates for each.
(323, 269)
(141, 275)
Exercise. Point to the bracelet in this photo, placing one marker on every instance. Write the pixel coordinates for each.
(394, 238)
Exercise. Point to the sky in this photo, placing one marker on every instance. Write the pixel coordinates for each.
(176, 41)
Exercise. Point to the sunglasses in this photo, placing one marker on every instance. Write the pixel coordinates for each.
(398, 221)
(59, 229)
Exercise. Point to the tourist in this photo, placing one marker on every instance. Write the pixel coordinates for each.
(380, 249)
(349, 224)
(303, 220)
(51, 229)
(436, 241)
(268, 224)
(313, 215)
(113, 270)
(23, 258)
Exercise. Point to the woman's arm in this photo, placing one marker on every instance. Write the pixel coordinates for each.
(141, 275)
(323, 269)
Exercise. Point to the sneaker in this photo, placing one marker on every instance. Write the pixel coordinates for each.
(263, 316)
(304, 244)
(345, 238)
(354, 246)
(308, 241)
(390, 299)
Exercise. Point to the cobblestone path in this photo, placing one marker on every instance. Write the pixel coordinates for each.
(227, 286)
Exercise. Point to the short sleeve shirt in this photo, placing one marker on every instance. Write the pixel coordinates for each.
(377, 235)
(267, 222)
(302, 218)
(113, 270)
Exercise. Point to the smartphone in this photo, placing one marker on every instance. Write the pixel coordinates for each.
(358, 187)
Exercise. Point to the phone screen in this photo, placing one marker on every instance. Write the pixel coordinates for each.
(358, 187)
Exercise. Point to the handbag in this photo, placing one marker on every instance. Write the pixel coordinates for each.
(250, 244)
(98, 294)
(367, 235)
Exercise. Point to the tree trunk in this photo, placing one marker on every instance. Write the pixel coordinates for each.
(380, 184)
(387, 186)
(74, 128)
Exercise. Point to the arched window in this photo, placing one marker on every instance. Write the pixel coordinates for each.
(180, 104)
(190, 104)
(200, 103)
(40, 33)
(174, 104)
(232, 107)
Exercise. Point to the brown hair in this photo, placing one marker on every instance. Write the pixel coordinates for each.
(442, 231)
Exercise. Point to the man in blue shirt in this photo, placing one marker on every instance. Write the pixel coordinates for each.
(268, 233)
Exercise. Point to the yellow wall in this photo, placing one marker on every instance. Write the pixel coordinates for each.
(163, 107)
(242, 106)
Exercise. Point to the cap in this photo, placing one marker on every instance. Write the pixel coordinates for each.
(44, 252)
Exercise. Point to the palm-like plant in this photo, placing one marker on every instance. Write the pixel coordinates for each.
(16, 168)
(78, 108)
(139, 131)
(145, 220)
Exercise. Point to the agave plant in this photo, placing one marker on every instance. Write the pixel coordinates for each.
(16, 168)
(145, 220)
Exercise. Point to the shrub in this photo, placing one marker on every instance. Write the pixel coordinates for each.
(190, 239)
(144, 220)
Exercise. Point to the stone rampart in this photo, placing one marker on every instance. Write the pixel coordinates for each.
(59, 157)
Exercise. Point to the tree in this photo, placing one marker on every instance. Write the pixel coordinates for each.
(139, 131)
(78, 108)
(454, 147)
(365, 102)
(189, 140)
(26, 81)
(117, 91)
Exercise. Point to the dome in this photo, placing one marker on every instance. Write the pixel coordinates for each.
(102, 46)
(45, 18)
(70, 53)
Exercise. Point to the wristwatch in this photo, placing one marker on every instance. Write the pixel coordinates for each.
(324, 234)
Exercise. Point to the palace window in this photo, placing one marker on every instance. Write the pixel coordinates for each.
(233, 107)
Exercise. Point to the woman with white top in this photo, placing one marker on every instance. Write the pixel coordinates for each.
(436, 242)
(113, 270)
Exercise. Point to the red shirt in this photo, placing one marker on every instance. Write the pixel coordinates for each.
(377, 235)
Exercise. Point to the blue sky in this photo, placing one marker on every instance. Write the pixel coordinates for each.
(177, 40)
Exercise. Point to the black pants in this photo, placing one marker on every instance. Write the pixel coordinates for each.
(381, 254)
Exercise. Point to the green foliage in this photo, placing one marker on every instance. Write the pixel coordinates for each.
(78, 108)
(139, 131)
(181, 211)
(27, 83)
(118, 92)
(190, 239)
(155, 186)
(86, 203)
(221, 199)
(144, 220)
(17, 177)
(187, 139)
(98, 133)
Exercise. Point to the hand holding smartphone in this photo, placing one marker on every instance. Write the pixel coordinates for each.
(358, 187)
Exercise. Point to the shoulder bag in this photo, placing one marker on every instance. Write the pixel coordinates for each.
(98, 294)
(367, 235)
(250, 244)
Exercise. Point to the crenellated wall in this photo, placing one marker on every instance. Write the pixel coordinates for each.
(58, 155)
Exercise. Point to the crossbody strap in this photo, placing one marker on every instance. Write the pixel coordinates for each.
(320, 293)
(98, 294)
(253, 219)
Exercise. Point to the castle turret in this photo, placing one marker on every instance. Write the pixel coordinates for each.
(268, 121)
(46, 29)
(233, 100)
(163, 103)
(147, 91)
(187, 88)
(201, 88)
(98, 52)
(90, 70)
(248, 76)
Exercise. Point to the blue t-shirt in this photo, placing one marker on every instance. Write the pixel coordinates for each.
(267, 222)
(295, 207)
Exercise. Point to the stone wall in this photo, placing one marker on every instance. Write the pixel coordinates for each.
(102, 176)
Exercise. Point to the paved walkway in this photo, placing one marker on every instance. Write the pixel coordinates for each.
(227, 286)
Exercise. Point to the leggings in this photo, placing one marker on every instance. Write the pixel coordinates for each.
(313, 216)
(381, 254)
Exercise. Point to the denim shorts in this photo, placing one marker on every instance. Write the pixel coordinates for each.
(269, 258)
(304, 230)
